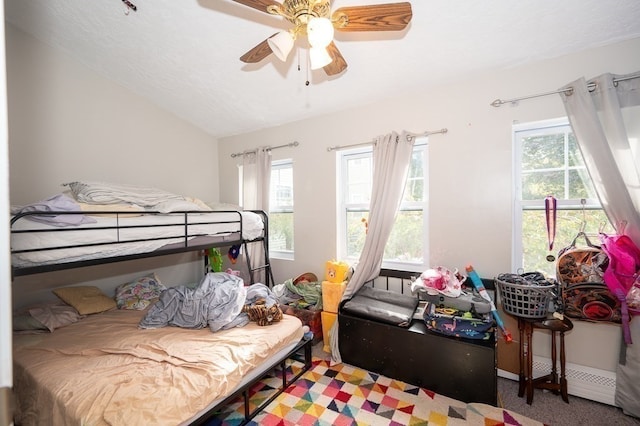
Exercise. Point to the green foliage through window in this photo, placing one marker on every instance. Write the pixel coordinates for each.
(281, 207)
(406, 242)
(549, 163)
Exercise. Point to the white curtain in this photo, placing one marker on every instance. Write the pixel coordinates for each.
(391, 158)
(256, 177)
(605, 117)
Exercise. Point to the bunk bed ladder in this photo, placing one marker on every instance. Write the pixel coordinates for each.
(265, 265)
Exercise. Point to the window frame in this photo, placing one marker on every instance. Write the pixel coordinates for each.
(519, 131)
(343, 207)
(283, 254)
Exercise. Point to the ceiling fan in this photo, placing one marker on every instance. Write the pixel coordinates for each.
(314, 19)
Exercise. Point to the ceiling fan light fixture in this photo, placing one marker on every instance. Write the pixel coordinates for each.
(281, 44)
(319, 57)
(317, 20)
(319, 32)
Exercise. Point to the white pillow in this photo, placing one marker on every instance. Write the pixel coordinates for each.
(169, 206)
(224, 207)
(111, 193)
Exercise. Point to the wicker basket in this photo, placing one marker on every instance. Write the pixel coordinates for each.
(525, 300)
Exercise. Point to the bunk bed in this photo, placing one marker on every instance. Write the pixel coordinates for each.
(114, 236)
(105, 369)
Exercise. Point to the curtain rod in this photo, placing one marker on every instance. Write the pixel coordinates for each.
(591, 86)
(270, 148)
(411, 136)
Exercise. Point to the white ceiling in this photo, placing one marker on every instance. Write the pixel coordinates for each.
(183, 54)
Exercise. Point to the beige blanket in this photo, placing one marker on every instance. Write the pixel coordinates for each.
(103, 370)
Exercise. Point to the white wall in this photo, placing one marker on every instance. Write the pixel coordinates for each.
(68, 123)
(470, 173)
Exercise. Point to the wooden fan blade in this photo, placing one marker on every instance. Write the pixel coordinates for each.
(261, 5)
(258, 53)
(338, 64)
(378, 17)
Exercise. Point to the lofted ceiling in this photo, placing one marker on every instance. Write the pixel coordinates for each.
(183, 55)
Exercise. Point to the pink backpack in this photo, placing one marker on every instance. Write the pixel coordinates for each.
(621, 274)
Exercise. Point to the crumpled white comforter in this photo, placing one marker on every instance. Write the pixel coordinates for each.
(216, 302)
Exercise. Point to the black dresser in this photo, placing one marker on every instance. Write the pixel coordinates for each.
(462, 369)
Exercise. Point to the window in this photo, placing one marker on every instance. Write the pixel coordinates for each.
(548, 162)
(281, 209)
(407, 245)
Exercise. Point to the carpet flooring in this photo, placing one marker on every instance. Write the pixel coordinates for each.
(347, 395)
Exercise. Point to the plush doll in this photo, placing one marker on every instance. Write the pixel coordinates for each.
(262, 314)
(233, 272)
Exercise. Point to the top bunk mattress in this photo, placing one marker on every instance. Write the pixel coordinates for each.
(91, 221)
(104, 370)
(35, 243)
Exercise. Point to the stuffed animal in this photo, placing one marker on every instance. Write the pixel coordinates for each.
(262, 314)
(215, 259)
(234, 252)
(233, 272)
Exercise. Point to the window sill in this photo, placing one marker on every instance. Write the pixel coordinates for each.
(281, 255)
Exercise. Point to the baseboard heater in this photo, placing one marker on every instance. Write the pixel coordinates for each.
(586, 382)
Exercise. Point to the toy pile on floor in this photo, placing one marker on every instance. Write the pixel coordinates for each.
(315, 302)
(302, 298)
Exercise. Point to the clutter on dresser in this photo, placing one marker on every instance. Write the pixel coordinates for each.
(455, 305)
(458, 323)
(477, 283)
(382, 331)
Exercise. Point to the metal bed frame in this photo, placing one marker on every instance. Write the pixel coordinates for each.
(190, 241)
(301, 352)
(302, 349)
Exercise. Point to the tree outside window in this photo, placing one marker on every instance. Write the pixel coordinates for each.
(548, 162)
(281, 209)
(406, 247)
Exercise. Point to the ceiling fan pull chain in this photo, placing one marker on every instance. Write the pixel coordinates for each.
(129, 7)
(306, 83)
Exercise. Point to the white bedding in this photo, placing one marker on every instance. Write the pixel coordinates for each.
(129, 230)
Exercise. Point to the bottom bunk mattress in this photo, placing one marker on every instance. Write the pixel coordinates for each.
(104, 370)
